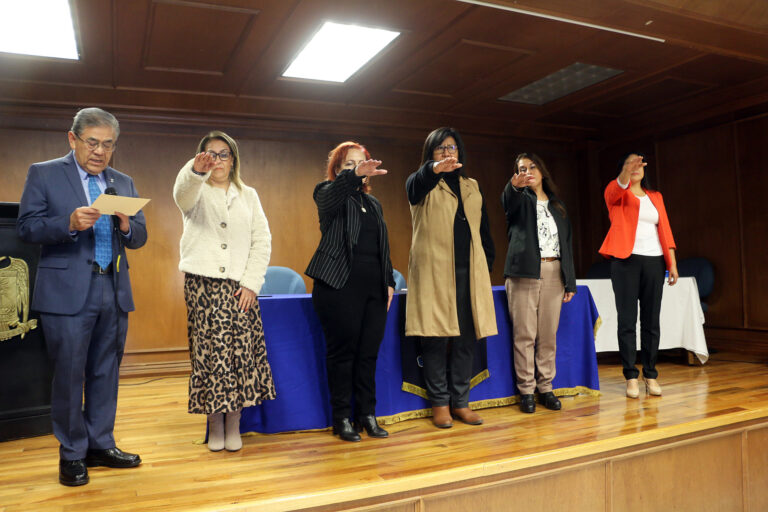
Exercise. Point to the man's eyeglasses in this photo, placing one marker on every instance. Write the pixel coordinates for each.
(93, 144)
(451, 148)
(223, 156)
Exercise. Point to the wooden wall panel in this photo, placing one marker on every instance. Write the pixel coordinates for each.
(752, 152)
(652, 482)
(576, 490)
(19, 149)
(697, 174)
(158, 327)
(284, 168)
(757, 469)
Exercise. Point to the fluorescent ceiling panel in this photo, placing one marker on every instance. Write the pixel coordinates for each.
(561, 83)
(38, 27)
(337, 51)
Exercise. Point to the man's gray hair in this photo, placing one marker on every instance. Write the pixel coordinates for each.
(94, 116)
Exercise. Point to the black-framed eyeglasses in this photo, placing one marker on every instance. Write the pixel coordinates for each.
(451, 148)
(223, 155)
(93, 144)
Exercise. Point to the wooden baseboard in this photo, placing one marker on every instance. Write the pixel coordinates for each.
(150, 369)
(749, 345)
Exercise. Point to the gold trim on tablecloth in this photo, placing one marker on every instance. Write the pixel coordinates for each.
(482, 404)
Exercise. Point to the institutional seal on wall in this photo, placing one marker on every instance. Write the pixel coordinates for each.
(14, 298)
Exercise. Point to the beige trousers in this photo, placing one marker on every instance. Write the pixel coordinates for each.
(534, 307)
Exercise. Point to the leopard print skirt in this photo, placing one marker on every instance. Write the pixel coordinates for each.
(226, 348)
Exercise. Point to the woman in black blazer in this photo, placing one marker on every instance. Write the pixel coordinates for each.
(353, 286)
(539, 275)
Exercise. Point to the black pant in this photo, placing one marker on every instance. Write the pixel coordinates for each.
(638, 278)
(448, 361)
(353, 320)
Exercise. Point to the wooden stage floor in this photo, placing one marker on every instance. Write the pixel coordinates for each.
(314, 469)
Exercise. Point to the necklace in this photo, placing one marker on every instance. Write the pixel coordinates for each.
(359, 204)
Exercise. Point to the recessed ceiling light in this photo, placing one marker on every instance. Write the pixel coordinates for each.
(561, 83)
(337, 51)
(38, 27)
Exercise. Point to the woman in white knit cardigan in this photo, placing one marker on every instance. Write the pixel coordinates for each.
(225, 250)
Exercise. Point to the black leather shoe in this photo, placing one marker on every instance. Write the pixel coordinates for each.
(73, 472)
(550, 401)
(527, 404)
(112, 458)
(371, 426)
(345, 430)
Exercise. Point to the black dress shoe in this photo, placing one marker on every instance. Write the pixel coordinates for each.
(550, 401)
(371, 426)
(73, 472)
(345, 430)
(527, 404)
(112, 458)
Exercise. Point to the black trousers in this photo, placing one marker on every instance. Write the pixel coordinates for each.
(448, 361)
(638, 278)
(353, 320)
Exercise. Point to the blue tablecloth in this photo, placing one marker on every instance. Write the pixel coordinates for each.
(296, 352)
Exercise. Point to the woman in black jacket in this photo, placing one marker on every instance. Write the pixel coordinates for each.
(353, 286)
(539, 275)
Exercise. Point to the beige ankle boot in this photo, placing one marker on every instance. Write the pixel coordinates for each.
(652, 387)
(233, 440)
(216, 432)
(633, 390)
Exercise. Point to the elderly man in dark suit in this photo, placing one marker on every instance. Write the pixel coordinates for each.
(82, 290)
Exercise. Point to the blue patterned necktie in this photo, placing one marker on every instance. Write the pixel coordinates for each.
(102, 229)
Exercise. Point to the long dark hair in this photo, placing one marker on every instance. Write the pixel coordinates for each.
(435, 138)
(547, 183)
(643, 182)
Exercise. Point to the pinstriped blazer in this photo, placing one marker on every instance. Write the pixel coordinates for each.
(340, 220)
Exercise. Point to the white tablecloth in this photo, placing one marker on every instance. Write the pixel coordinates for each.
(682, 320)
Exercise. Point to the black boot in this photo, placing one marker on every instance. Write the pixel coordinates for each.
(345, 430)
(371, 426)
(527, 404)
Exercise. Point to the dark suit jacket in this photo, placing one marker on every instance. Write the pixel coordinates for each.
(51, 193)
(523, 254)
(340, 225)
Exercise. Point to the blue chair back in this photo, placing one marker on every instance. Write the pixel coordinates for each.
(282, 281)
(702, 270)
(399, 280)
(600, 270)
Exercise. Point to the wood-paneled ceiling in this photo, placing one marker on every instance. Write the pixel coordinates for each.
(198, 59)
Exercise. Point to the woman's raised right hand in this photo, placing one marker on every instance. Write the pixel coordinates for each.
(369, 168)
(449, 164)
(521, 179)
(203, 163)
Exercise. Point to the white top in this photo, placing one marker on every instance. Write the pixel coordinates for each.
(647, 241)
(549, 242)
(226, 234)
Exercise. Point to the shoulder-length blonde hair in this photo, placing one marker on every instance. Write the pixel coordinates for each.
(234, 174)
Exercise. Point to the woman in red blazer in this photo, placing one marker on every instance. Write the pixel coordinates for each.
(641, 246)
